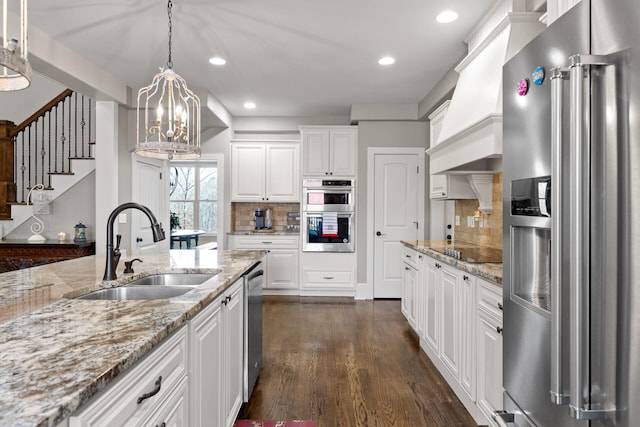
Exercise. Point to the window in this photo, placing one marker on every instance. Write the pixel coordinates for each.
(194, 196)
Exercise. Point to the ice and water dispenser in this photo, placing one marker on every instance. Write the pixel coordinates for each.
(531, 241)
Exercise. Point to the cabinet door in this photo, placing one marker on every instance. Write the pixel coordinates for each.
(283, 180)
(233, 346)
(282, 269)
(409, 280)
(175, 411)
(247, 172)
(489, 363)
(439, 186)
(206, 385)
(420, 295)
(343, 152)
(432, 289)
(450, 345)
(468, 334)
(315, 152)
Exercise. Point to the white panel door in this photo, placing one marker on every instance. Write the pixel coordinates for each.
(149, 189)
(395, 217)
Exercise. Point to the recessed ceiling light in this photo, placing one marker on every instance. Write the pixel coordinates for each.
(216, 60)
(386, 60)
(250, 105)
(446, 16)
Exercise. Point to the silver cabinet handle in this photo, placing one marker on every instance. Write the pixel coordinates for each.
(557, 392)
(266, 243)
(331, 277)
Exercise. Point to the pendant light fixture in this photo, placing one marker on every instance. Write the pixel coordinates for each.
(15, 70)
(168, 124)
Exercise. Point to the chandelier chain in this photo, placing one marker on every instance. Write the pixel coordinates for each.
(169, 6)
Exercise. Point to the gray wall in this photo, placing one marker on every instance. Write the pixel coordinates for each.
(383, 134)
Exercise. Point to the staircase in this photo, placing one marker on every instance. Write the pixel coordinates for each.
(52, 147)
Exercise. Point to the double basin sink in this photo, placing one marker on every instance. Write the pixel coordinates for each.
(156, 286)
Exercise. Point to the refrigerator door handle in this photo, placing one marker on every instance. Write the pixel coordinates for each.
(580, 405)
(557, 392)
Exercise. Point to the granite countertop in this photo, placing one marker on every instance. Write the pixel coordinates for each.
(58, 352)
(486, 270)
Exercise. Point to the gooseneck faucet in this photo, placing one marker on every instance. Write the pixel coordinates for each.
(113, 254)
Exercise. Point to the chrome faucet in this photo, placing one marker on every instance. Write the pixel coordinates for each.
(113, 254)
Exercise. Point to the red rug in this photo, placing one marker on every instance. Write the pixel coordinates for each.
(274, 423)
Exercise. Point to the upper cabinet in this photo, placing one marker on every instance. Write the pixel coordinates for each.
(330, 151)
(265, 171)
(442, 186)
(557, 8)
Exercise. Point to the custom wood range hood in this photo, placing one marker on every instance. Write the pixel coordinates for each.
(470, 140)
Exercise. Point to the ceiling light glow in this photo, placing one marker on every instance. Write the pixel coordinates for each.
(250, 105)
(386, 60)
(446, 16)
(216, 60)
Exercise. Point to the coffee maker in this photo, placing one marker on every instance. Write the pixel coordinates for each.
(258, 217)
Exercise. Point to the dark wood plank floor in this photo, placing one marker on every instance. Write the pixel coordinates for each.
(348, 363)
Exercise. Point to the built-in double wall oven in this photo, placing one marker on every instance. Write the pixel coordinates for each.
(328, 217)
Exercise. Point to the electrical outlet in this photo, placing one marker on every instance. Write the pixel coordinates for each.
(470, 222)
(457, 220)
(481, 222)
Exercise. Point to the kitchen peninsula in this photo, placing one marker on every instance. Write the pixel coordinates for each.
(58, 352)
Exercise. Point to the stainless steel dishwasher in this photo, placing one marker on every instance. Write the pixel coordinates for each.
(253, 282)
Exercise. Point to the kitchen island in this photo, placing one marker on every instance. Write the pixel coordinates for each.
(58, 352)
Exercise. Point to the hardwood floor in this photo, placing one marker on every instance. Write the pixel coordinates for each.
(348, 363)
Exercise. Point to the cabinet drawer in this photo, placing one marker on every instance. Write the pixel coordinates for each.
(328, 277)
(264, 242)
(490, 298)
(410, 257)
(118, 404)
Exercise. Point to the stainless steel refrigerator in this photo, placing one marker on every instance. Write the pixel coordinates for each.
(571, 160)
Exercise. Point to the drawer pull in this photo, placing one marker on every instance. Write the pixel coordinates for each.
(267, 243)
(162, 425)
(152, 392)
(408, 256)
(331, 277)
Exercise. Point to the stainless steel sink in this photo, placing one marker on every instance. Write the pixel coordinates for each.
(156, 286)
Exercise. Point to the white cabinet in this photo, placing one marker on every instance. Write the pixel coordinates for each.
(152, 389)
(265, 171)
(410, 279)
(327, 274)
(281, 260)
(216, 337)
(445, 186)
(329, 150)
(489, 336)
(557, 8)
(459, 321)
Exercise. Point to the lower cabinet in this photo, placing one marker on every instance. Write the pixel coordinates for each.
(216, 360)
(152, 389)
(327, 274)
(458, 319)
(489, 335)
(194, 378)
(281, 261)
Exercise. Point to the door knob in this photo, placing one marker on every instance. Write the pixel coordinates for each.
(379, 233)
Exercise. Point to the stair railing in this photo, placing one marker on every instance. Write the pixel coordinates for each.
(47, 141)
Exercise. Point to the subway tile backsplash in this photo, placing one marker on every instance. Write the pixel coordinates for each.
(242, 215)
(491, 233)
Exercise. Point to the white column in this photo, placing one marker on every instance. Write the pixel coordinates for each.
(106, 153)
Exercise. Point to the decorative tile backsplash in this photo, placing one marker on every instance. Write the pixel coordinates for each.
(490, 234)
(242, 215)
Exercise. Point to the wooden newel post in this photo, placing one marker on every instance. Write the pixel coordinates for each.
(7, 185)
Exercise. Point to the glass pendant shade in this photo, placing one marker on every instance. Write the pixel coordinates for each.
(168, 115)
(15, 70)
(168, 119)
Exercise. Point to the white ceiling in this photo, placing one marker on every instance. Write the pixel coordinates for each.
(291, 57)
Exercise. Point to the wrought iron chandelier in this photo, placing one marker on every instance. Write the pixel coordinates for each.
(15, 70)
(168, 124)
